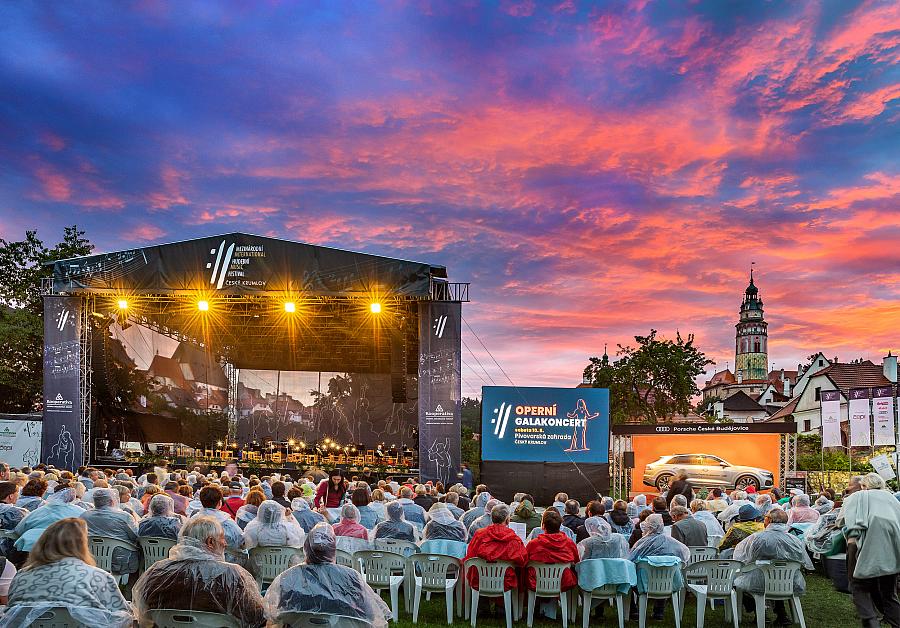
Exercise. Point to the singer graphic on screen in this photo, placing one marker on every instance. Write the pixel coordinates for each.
(580, 412)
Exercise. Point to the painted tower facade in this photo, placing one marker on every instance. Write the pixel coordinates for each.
(751, 358)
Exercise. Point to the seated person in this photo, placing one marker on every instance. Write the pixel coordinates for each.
(349, 524)
(369, 517)
(773, 543)
(180, 501)
(443, 525)
(10, 514)
(396, 526)
(729, 514)
(196, 577)
(619, 520)
(654, 542)
(594, 508)
(126, 502)
(414, 513)
(637, 533)
(272, 529)
(480, 501)
(322, 586)
(713, 527)
(107, 519)
(452, 501)
(763, 503)
(524, 513)
(247, 512)
(602, 542)
(686, 529)
(305, 516)
(161, 520)
(58, 506)
(573, 519)
(801, 512)
(485, 520)
(497, 542)
(661, 508)
(749, 521)
(636, 506)
(32, 494)
(553, 547)
(61, 557)
(211, 502)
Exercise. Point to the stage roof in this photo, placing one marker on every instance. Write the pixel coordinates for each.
(245, 264)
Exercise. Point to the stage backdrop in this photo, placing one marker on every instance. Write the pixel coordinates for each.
(544, 440)
(62, 446)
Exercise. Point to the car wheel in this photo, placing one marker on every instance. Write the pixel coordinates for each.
(662, 482)
(746, 481)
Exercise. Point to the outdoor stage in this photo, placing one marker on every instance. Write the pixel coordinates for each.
(250, 344)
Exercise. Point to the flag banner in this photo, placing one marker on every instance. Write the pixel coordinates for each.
(860, 418)
(831, 418)
(882, 466)
(61, 434)
(883, 406)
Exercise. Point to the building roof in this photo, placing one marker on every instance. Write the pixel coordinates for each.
(722, 377)
(168, 368)
(847, 375)
(786, 412)
(776, 381)
(741, 402)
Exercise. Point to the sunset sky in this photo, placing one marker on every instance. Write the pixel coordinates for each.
(594, 169)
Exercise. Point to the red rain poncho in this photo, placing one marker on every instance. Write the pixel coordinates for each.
(553, 548)
(493, 543)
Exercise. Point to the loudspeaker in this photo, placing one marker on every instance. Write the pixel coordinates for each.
(398, 368)
(628, 459)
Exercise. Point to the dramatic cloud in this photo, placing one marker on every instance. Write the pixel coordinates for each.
(594, 169)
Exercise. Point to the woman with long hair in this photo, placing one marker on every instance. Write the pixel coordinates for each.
(60, 572)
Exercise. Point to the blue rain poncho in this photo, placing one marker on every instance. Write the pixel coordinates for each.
(602, 542)
(477, 510)
(773, 543)
(272, 529)
(396, 526)
(59, 506)
(306, 517)
(656, 543)
(109, 520)
(160, 520)
(443, 525)
(321, 586)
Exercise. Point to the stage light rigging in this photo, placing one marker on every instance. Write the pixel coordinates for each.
(123, 304)
(375, 307)
(290, 307)
(203, 306)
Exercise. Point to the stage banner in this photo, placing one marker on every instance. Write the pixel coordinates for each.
(831, 418)
(860, 418)
(440, 361)
(61, 443)
(883, 404)
(545, 424)
(20, 442)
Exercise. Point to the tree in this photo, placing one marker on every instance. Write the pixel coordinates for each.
(23, 265)
(652, 382)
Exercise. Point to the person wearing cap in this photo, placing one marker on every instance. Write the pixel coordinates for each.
(330, 493)
(749, 521)
(233, 500)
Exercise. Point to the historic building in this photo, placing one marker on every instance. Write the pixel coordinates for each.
(751, 360)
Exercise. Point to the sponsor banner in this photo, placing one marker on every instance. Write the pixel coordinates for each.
(883, 467)
(545, 424)
(707, 428)
(860, 418)
(883, 410)
(831, 418)
(20, 442)
(61, 435)
(440, 361)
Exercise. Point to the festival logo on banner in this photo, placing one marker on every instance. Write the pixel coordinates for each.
(883, 406)
(831, 418)
(230, 265)
(860, 418)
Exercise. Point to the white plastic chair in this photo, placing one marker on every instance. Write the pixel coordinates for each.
(380, 569)
(606, 593)
(173, 618)
(352, 544)
(491, 583)
(344, 558)
(102, 548)
(548, 583)
(314, 620)
(660, 586)
(397, 546)
(268, 562)
(56, 618)
(701, 553)
(779, 578)
(431, 573)
(717, 584)
(155, 549)
(713, 540)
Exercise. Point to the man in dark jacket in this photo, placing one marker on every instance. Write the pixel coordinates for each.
(572, 518)
(661, 508)
(679, 486)
(686, 529)
(594, 509)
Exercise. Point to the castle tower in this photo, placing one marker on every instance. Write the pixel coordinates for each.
(751, 338)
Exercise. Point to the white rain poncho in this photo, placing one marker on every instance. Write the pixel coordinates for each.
(820, 536)
(656, 543)
(107, 519)
(602, 542)
(636, 506)
(161, 520)
(477, 510)
(764, 503)
(396, 526)
(321, 586)
(709, 520)
(304, 515)
(823, 505)
(443, 525)
(90, 594)
(871, 519)
(773, 543)
(272, 529)
(245, 514)
(195, 578)
(59, 506)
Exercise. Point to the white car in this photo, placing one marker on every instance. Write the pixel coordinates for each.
(708, 471)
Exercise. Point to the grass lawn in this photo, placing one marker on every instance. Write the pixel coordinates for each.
(823, 607)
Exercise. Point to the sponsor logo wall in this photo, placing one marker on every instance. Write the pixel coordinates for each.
(20, 442)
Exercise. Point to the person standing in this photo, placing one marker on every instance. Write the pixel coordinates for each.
(467, 479)
(330, 494)
(679, 486)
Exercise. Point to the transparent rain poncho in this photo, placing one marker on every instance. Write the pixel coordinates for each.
(709, 520)
(245, 514)
(820, 536)
(193, 577)
(109, 520)
(477, 510)
(306, 517)
(321, 586)
(773, 543)
(656, 543)
(59, 506)
(396, 526)
(602, 542)
(443, 525)
(272, 528)
(823, 505)
(160, 520)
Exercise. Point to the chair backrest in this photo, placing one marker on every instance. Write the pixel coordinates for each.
(314, 620)
(660, 578)
(155, 549)
(718, 574)
(377, 567)
(172, 618)
(491, 576)
(397, 546)
(445, 547)
(433, 569)
(352, 544)
(713, 540)
(548, 577)
(779, 575)
(272, 561)
(345, 558)
(102, 548)
(55, 618)
(701, 553)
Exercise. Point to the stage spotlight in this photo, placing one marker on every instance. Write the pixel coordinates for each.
(203, 306)
(375, 308)
(218, 443)
(327, 441)
(302, 444)
(290, 307)
(123, 304)
(291, 442)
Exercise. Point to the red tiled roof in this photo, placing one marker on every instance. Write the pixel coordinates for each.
(786, 412)
(863, 374)
(722, 377)
(776, 381)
